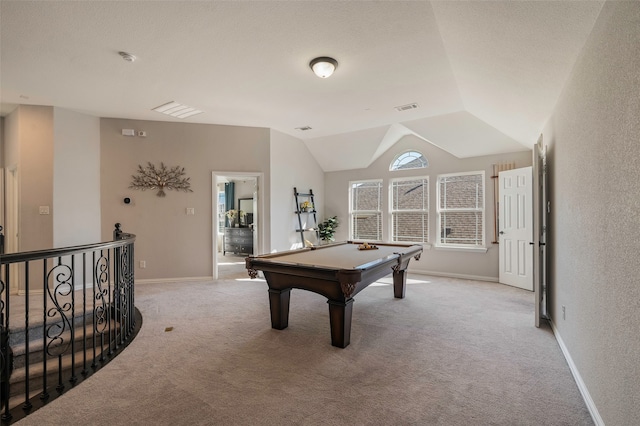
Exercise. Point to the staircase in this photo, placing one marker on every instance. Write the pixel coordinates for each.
(52, 340)
(68, 359)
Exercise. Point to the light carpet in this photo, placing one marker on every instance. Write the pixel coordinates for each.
(453, 352)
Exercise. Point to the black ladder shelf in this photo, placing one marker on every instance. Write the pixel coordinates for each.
(310, 215)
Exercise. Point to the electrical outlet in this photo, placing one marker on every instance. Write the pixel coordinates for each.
(564, 313)
(191, 210)
(143, 264)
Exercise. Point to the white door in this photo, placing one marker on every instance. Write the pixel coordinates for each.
(516, 228)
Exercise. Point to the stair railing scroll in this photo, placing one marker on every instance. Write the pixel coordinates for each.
(78, 305)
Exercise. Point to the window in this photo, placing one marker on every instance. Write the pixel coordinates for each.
(221, 210)
(410, 210)
(365, 211)
(409, 160)
(461, 209)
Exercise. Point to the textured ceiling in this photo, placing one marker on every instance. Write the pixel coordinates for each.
(486, 74)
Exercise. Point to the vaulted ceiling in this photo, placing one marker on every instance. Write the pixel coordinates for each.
(485, 74)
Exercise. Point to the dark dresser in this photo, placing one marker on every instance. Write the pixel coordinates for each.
(238, 240)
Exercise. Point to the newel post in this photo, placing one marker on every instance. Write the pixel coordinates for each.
(117, 233)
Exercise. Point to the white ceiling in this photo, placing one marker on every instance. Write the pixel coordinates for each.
(486, 74)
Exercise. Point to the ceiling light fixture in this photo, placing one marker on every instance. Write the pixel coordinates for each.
(323, 66)
(127, 56)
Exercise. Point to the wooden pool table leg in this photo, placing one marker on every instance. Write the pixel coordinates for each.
(279, 304)
(340, 321)
(399, 283)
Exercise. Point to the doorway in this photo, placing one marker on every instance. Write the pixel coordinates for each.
(237, 219)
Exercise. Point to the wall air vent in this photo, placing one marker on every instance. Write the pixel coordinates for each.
(407, 107)
(303, 128)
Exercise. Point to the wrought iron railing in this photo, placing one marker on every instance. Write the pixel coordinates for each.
(64, 313)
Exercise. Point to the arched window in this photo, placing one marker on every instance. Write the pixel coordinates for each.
(409, 160)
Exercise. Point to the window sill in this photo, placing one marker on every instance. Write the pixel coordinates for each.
(461, 248)
(426, 246)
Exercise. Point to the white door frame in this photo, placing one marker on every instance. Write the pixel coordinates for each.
(258, 237)
(540, 212)
(12, 224)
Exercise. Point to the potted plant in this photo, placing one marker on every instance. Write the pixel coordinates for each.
(305, 206)
(327, 229)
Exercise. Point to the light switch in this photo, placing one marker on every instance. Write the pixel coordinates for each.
(44, 210)
(191, 211)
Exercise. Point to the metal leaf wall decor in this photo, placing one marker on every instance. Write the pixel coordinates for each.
(160, 178)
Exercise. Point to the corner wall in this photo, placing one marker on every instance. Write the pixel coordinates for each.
(594, 170)
(31, 150)
(292, 166)
(56, 155)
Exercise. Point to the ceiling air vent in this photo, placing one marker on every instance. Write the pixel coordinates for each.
(303, 128)
(407, 107)
(177, 110)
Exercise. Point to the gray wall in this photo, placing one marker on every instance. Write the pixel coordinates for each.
(76, 179)
(172, 243)
(29, 148)
(293, 166)
(594, 163)
(434, 261)
(56, 153)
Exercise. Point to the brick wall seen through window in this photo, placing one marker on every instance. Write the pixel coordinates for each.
(461, 209)
(365, 212)
(410, 210)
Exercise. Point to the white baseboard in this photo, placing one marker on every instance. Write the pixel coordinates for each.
(173, 280)
(450, 275)
(591, 406)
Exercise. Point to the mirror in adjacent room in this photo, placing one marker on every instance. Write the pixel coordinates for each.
(246, 205)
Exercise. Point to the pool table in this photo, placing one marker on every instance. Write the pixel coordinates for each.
(338, 271)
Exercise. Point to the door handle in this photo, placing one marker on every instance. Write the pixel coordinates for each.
(501, 232)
